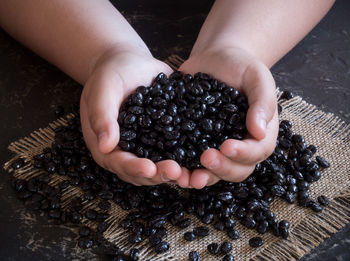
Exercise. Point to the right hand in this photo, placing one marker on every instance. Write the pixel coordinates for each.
(116, 75)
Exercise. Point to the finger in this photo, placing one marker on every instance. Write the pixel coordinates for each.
(168, 170)
(251, 151)
(102, 104)
(201, 178)
(123, 163)
(137, 181)
(223, 167)
(259, 86)
(128, 163)
(184, 180)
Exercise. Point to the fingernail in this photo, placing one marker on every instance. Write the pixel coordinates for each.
(262, 123)
(206, 180)
(102, 138)
(163, 177)
(214, 164)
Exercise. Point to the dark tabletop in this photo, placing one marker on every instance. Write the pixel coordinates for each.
(318, 69)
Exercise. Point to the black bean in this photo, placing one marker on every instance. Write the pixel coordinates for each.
(287, 95)
(130, 119)
(155, 239)
(162, 247)
(201, 231)
(284, 224)
(84, 231)
(207, 218)
(85, 242)
(232, 108)
(303, 185)
(64, 184)
(135, 238)
(289, 196)
(104, 205)
(59, 111)
(228, 258)
(189, 236)
(102, 227)
(323, 200)
(278, 190)
(284, 232)
(315, 207)
(248, 222)
(89, 195)
(18, 163)
(262, 227)
(225, 247)
(134, 254)
(233, 233)
(322, 162)
(184, 223)
(50, 167)
(213, 248)
(162, 232)
(127, 135)
(19, 185)
(193, 256)
(55, 203)
(225, 196)
(76, 217)
(256, 242)
(106, 194)
(188, 125)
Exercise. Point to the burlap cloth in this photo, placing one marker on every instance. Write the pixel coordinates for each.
(308, 230)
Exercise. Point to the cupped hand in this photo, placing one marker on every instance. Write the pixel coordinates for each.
(236, 159)
(115, 75)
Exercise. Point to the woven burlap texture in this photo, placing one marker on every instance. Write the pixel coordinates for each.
(327, 132)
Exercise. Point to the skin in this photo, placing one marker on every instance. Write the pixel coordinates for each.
(95, 45)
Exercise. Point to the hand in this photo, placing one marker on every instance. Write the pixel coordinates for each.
(114, 77)
(236, 159)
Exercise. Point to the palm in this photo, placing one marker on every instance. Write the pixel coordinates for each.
(240, 70)
(228, 67)
(103, 94)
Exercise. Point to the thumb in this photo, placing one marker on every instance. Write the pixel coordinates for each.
(260, 88)
(102, 106)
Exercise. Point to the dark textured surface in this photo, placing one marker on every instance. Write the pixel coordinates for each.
(318, 69)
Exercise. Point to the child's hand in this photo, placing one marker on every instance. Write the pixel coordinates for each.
(114, 77)
(237, 159)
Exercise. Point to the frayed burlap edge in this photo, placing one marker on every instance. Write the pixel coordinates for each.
(305, 236)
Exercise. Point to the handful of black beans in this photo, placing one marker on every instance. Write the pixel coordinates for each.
(286, 174)
(180, 117)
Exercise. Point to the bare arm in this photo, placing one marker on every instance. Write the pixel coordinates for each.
(71, 34)
(238, 43)
(92, 42)
(265, 29)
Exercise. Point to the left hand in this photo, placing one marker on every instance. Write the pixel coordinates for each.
(236, 159)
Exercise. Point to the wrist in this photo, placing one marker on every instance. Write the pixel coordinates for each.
(110, 54)
(222, 49)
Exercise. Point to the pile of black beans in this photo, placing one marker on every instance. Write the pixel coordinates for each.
(286, 174)
(180, 117)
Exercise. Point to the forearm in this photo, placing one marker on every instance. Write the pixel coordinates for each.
(71, 34)
(266, 29)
